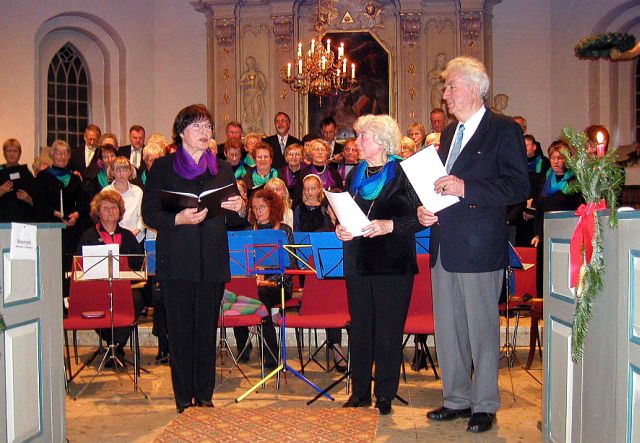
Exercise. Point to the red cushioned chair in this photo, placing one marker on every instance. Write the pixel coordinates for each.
(420, 317)
(324, 306)
(89, 309)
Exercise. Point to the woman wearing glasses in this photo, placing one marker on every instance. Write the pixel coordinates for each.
(121, 171)
(192, 254)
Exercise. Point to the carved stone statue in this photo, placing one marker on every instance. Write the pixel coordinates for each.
(436, 82)
(254, 85)
(500, 103)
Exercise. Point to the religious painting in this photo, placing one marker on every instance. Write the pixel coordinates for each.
(369, 96)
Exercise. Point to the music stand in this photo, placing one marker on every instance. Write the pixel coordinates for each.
(270, 258)
(102, 268)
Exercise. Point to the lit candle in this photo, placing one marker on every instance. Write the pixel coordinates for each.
(328, 45)
(324, 62)
(600, 147)
(288, 70)
(300, 67)
(313, 46)
(61, 205)
(344, 65)
(353, 70)
(341, 50)
(299, 50)
(338, 72)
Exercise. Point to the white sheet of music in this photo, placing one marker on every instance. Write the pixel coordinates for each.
(348, 212)
(95, 261)
(423, 169)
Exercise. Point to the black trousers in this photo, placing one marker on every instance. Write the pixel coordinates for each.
(192, 321)
(378, 306)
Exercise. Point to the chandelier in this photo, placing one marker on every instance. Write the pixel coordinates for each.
(320, 71)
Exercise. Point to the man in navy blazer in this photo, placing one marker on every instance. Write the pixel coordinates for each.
(281, 139)
(485, 158)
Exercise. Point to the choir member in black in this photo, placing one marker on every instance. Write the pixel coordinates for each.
(553, 195)
(263, 171)
(312, 214)
(192, 254)
(150, 153)
(233, 154)
(60, 198)
(265, 212)
(16, 186)
(107, 209)
(349, 159)
(106, 156)
(293, 171)
(380, 264)
(327, 172)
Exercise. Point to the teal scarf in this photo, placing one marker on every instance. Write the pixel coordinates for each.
(552, 185)
(370, 187)
(143, 177)
(102, 179)
(259, 181)
(240, 171)
(62, 174)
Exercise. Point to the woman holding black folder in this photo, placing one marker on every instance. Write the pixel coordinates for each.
(192, 254)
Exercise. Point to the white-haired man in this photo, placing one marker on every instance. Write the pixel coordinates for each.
(485, 157)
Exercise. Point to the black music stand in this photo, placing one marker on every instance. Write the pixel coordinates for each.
(267, 256)
(127, 274)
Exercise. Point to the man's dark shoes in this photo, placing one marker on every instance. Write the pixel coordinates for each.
(182, 407)
(447, 414)
(480, 422)
(355, 402)
(383, 405)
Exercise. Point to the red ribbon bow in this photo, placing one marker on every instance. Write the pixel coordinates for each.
(583, 237)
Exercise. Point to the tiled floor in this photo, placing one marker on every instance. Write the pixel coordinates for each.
(110, 411)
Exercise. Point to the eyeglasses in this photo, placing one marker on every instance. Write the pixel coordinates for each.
(60, 153)
(259, 208)
(202, 126)
(122, 169)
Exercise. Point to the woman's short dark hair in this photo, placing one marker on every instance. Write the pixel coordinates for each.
(109, 195)
(530, 137)
(108, 147)
(190, 114)
(266, 147)
(273, 201)
(559, 146)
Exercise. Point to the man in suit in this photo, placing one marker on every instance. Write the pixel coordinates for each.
(83, 158)
(233, 131)
(329, 129)
(281, 139)
(133, 151)
(485, 157)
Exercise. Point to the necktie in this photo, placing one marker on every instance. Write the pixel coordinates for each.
(282, 146)
(457, 146)
(135, 158)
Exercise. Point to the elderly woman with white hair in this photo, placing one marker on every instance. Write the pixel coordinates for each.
(379, 262)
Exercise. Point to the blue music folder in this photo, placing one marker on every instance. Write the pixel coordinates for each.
(327, 254)
(257, 252)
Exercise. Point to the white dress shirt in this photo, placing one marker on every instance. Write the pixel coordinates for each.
(132, 217)
(470, 127)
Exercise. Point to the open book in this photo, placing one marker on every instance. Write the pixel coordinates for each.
(173, 201)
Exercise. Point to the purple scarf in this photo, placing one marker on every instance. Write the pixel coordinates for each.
(185, 166)
(327, 179)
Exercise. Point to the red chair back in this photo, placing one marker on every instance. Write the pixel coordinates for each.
(326, 296)
(246, 286)
(421, 296)
(526, 279)
(91, 296)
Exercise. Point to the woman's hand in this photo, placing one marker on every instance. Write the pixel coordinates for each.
(377, 228)
(6, 187)
(343, 234)
(191, 216)
(72, 219)
(426, 217)
(535, 240)
(235, 203)
(24, 196)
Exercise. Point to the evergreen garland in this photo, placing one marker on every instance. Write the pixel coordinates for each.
(601, 45)
(596, 178)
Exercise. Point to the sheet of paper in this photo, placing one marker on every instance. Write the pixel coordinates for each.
(95, 261)
(423, 169)
(348, 212)
(24, 241)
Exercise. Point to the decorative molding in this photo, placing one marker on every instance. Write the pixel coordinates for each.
(439, 24)
(471, 27)
(224, 32)
(411, 24)
(283, 31)
(255, 28)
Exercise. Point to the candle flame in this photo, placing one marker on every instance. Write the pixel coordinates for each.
(600, 137)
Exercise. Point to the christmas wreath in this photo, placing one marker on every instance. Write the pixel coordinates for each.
(600, 180)
(601, 45)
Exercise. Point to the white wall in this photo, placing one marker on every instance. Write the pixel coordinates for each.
(165, 61)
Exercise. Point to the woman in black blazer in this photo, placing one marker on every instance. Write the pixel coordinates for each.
(192, 254)
(380, 262)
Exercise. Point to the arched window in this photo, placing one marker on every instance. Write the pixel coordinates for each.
(67, 97)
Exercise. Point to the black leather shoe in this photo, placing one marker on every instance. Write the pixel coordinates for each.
(182, 408)
(447, 414)
(204, 403)
(480, 422)
(355, 402)
(383, 405)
